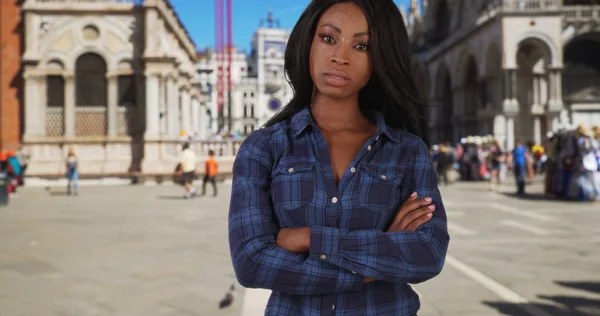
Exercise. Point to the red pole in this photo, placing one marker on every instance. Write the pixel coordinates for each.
(229, 64)
(229, 40)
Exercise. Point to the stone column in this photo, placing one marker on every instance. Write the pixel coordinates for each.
(69, 106)
(173, 107)
(510, 90)
(140, 103)
(202, 121)
(164, 99)
(536, 90)
(186, 112)
(152, 106)
(113, 100)
(195, 115)
(32, 103)
(555, 102)
(537, 130)
(510, 132)
(43, 99)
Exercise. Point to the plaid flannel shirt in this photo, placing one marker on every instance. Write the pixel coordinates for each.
(283, 178)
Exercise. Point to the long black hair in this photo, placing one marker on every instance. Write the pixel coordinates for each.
(391, 89)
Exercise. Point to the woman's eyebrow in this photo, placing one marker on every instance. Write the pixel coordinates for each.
(337, 29)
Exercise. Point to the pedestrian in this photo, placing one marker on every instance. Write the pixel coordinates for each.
(24, 156)
(72, 174)
(519, 161)
(442, 162)
(14, 172)
(335, 204)
(496, 159)
(210, 173)
(189, 164)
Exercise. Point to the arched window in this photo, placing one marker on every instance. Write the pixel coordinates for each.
(90, 95)
(90, 79)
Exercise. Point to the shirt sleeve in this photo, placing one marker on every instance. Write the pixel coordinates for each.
(402, 257)
(257, 259)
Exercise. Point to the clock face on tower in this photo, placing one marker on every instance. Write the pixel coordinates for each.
(271, 47)
(274, 104)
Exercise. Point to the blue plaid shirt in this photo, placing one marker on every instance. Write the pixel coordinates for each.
(283, 178)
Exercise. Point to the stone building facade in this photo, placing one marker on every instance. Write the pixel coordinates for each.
(114, 79)
(515, 69)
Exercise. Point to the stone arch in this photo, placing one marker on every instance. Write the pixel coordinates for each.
(55, 64)
(581, 76)
(464, 57)
(492, 77)
(109, 58)
(493, 59)
(540, 41)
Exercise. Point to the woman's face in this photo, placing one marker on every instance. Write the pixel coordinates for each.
(340, 62)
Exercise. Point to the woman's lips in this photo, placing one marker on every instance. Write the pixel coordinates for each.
(336, 80)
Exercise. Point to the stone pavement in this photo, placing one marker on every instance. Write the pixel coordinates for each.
(123, 250)
(115, 250)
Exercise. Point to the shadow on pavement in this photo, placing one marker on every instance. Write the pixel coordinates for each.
(558, 305)
(171, 197)
(592, 287)
(531, 197)
(58, 193)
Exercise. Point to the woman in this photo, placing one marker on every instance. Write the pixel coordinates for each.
(71, 164)
(316, 213)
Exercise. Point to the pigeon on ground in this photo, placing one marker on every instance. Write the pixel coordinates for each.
(228, 299)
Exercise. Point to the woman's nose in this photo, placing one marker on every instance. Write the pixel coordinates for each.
(340, 57)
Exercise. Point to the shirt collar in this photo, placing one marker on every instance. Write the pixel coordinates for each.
(303, 119)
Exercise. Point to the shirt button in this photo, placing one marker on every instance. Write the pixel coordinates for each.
(383, 177)
(334, 200)
(369, 148)
(353, 170)
(323, 257)
(291, 170)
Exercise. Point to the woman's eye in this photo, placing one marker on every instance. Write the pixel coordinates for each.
(362, 47)
(328, 39)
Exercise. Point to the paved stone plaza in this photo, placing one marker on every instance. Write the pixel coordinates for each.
(142, 250)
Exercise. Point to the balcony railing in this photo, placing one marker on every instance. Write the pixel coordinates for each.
(581, 13)
(529, 5)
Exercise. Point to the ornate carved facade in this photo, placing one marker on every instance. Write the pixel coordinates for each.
(116, 79)
(512, 68)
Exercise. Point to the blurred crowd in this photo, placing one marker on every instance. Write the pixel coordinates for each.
(12, 168)
(568, 159)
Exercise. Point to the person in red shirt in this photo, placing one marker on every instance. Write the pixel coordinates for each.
(210, 173)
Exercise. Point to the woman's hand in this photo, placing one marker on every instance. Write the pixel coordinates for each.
(412, 214)
(296, 240)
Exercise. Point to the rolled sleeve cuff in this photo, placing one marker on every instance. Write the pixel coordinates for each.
(324, 242)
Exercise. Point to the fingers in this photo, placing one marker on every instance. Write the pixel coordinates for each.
(413, 216)
(412, 204)
(419, 221)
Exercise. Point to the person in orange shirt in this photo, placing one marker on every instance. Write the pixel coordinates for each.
(210, 172)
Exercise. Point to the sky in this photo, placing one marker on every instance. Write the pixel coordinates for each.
(198, 16)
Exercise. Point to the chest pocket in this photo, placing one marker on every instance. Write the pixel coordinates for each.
(293, 185)
(380, 188)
